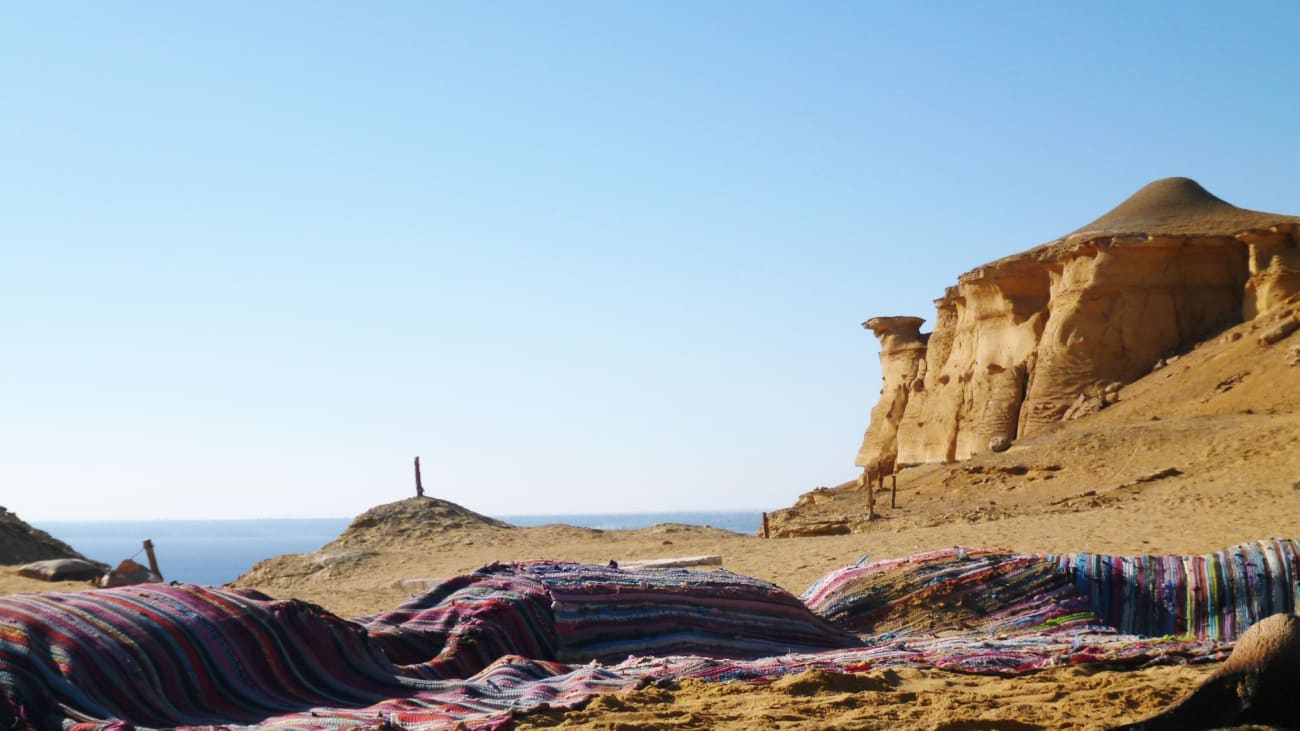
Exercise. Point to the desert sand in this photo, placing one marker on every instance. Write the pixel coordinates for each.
(1197, 456)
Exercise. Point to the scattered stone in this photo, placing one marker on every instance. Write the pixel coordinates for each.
(1000, 443)
(1083, 405)
(1292, 357)
(1162, 474)
(1279, 331)
(1228, 383)
(818, 528)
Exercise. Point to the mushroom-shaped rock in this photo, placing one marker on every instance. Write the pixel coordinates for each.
(902, 365)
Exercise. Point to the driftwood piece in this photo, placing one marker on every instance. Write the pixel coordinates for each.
(153, 559)
(672, 563)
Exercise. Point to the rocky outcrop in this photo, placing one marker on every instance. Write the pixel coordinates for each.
(902, 366)
(20, 543)
(1055, 331)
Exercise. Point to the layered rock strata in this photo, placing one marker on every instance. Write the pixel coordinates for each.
(1020, 341)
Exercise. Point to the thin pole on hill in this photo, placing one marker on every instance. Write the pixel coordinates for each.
(419, 486)
(153, 560)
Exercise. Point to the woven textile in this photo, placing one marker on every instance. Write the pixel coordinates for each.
(953, 589)
(478, 647)
(576, 613)
(1213, 596)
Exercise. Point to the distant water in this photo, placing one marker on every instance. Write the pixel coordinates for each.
(215, 552)
(209, 552)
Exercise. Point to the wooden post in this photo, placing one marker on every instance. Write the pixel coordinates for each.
(869, 480)
(419, 486)
(766, 534)
(153, 560)
(893, 490)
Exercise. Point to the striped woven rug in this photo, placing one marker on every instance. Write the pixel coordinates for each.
(508, 637)
(1214, 596)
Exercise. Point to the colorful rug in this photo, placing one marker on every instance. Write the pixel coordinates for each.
(480, 647)
(1214, 596)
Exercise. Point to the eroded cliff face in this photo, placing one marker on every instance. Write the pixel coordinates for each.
(1025, 341)
(902, 363)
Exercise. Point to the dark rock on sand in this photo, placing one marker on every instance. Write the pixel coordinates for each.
(1256, 685)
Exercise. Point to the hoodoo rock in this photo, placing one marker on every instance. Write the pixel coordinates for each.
(902, 365)
(1021, 342)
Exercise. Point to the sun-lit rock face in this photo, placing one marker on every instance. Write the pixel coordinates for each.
(1273, 259)
(1021, 340)
(902, 363)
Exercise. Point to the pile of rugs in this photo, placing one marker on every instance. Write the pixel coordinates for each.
(475, 649)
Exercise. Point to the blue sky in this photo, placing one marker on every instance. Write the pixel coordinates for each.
(580, 257)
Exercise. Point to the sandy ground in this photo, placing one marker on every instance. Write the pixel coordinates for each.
(1099, 487)
(1197, 457)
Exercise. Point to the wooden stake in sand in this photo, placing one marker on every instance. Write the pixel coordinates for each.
(153, 560)
(419, 486)
(865, 480)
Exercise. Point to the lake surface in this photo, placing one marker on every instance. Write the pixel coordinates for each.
(214, 552)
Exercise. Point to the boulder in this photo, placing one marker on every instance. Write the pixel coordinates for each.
(63, 569)
(1279, 331)
(1255, 685)
(128, 573)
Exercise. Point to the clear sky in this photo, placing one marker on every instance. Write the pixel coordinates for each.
(580, 257)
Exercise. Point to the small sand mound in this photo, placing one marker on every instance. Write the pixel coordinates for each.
(20, 543)
(411, 521)
(1178, 206)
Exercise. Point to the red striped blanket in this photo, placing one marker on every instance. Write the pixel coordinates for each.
(481, 646)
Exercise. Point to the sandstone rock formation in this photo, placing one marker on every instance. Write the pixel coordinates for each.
(1023, 341)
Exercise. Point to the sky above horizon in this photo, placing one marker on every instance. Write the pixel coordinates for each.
(578, 256)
